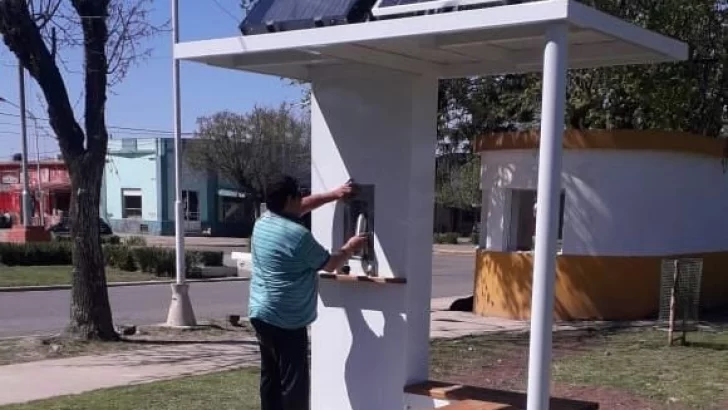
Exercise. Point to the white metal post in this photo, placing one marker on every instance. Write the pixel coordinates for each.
(180, 311)
(178, 220)
(24, 145)
(547, 215)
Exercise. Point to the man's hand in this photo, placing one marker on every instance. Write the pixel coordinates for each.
(356, 243)
(312, 202)
(344, 191)
(352, 246)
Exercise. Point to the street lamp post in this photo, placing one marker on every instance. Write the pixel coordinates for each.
(180, 310)
(26, 211)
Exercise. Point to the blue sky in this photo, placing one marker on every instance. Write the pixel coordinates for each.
(144, 99)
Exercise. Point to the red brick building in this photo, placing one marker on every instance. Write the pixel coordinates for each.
(52, 196)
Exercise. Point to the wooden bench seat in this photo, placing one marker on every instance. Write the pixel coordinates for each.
(476, 405)
(472, 395)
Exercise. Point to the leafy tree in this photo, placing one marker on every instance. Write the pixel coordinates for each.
(248, 149)
(110, 34)
(470, 107)
(688, 96)
(458, 181)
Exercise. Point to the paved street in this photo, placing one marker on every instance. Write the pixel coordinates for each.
(28, 313)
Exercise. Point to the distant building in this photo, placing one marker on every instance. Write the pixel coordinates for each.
(50, 198)
(630, 200)
(138, 193)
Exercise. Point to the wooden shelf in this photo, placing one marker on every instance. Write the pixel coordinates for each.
(477, 405)
(365, 279)
(492, 397)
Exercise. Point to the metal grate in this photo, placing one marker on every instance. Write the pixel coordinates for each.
(684, 277)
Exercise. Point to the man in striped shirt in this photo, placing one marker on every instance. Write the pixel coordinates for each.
(283, 289)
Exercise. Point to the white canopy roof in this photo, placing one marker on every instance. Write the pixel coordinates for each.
(495, 40)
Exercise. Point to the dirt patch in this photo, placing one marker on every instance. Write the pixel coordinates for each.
(501, 362)
(611, 399)
(27, 349)
(497, 360)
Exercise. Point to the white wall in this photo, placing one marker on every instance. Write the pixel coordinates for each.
(370, 340)
(134, 169)
(620, 202)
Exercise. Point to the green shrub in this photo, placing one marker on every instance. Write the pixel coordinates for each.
(135, 241)
(450, 238)
(120, 257)
(158, 261)
(146, 259)
(193, 264)
(36, 254)
(111, 240)
(105, 240)
(164, 263)
(209, 258)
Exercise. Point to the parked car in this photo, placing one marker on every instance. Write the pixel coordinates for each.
(63, 228)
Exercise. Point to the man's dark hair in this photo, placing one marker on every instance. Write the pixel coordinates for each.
(279, 190)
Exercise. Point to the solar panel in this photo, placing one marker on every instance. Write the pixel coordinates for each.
(268, 16)
(391, 8)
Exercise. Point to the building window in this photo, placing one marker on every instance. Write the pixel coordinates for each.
(191, 205)
(233, 207)
(131, 203)
(522, 225)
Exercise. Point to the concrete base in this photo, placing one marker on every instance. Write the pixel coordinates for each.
(180, 310)
(23, 234)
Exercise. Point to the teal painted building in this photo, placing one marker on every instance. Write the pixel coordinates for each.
(138, 194)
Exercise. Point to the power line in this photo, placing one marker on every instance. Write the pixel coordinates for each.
(110, 127)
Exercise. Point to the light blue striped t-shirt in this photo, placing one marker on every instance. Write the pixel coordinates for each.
(284, 284)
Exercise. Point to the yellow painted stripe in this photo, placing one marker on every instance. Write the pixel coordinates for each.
(588, 287)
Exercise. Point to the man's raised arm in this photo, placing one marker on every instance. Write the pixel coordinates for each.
(312, 202)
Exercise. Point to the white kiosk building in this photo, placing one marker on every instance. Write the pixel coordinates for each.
(374, 108)
(629, 201)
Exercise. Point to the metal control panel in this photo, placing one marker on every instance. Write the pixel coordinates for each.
(359, 219)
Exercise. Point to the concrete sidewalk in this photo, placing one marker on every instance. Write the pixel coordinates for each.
(50, 378)
(20, 382)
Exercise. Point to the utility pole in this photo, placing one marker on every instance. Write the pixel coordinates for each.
(38, 180)
(24, 136)
(180, 310)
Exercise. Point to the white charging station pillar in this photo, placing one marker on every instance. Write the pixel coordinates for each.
(371, 339)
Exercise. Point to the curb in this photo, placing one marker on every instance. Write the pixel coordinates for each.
(453, 252)
(11, 289)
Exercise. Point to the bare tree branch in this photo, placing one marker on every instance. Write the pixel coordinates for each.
(248, 149)
(23, 38)
(111, 34)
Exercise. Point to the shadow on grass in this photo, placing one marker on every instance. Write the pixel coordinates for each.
(158, 342)
(718, 347)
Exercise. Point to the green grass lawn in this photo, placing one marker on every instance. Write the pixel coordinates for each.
(637, 363)
(234, 390)
(58, 275)
(695, 376)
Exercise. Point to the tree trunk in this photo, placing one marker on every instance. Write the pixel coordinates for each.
(91, 317)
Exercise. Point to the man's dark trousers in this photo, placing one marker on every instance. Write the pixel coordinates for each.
(284, 370)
